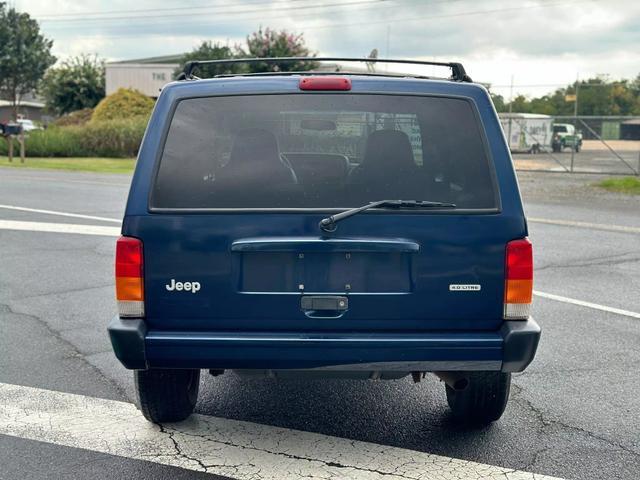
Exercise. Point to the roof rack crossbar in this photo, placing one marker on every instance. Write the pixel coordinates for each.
(458, 72)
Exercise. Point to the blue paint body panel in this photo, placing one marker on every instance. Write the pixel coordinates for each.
(254, 266)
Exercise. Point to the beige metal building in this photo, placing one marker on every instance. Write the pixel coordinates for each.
(147, 75)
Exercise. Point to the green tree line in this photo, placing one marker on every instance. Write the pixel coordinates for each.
(596, 96)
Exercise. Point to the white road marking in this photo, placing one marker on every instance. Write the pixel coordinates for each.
(59, 228)
(594, 226)
(548, 221)
(60, 214)
(56, 180)
(582, 303)
(233, 448)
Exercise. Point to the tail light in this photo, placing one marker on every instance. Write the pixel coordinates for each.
(518, 287)
(129, 277)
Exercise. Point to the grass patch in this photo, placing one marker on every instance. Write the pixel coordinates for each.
(628, 185)
(84, 164)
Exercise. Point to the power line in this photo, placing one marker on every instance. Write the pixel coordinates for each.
(169, 9)
(549, 85)
(343, 25)
(451, 15)
(220, 20)
(228, 12)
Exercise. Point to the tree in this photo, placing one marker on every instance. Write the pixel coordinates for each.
(271, 43)
(76, 84)
(25, 55)
(211, 51)
(125, 103)
(498, 102)
(520, 104)
(596, 96)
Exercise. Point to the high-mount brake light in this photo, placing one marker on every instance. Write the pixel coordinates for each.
(129, 277)
(518, 285)
(324, 83)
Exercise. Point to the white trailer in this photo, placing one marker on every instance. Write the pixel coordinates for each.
(527, 132)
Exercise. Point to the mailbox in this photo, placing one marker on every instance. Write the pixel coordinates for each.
(12, 129)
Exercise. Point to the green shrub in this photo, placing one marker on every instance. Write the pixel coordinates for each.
(77, 117)
(116, 138)
(123, 104)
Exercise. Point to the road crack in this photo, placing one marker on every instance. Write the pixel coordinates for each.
(596, 261)
(330, 464)
(546, 423)
(74, 351)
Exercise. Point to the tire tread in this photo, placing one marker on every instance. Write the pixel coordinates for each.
(166, 395)
(483, 401)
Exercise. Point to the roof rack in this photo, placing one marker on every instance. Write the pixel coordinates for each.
(458, 73)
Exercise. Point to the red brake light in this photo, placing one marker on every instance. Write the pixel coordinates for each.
(129, 277)
(519, 260)
(128, 257)
(518, 288)
(325, 83)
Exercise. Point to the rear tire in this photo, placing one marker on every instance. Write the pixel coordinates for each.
(484, 399)
(167, 395)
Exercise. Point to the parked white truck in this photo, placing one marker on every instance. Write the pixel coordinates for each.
(527, 132)
(566, 136)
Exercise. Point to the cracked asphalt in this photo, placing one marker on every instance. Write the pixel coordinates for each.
(572, 414)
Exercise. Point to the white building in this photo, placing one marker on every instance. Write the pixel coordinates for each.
(148, 75)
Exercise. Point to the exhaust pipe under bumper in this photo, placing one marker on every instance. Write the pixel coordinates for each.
(456, 380)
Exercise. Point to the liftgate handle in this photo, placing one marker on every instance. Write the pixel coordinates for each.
(324, 306)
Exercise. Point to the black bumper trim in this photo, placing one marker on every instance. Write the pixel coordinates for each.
(127, 339)
(519, 344)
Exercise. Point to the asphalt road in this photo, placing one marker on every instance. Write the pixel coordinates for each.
(572, 414)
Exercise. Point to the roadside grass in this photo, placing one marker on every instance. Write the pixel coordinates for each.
(76, 164)
(628, 185)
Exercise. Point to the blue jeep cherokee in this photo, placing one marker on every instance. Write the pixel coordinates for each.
(350, 225)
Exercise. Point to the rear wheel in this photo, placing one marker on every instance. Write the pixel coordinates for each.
(167, 395)
(483, 400)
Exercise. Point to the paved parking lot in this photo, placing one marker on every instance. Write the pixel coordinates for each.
(65, 402)
(595, 157)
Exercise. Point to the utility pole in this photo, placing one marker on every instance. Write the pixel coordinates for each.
(388, 45)
(510, 112)
(575, 122)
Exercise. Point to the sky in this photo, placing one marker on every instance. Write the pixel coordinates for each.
(538, 45)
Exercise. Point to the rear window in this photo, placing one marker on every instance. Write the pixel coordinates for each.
(322, 151)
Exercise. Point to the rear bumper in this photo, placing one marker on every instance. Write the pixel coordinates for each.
(509, 349)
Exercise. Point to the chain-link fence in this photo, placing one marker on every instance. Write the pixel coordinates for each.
(582, 144)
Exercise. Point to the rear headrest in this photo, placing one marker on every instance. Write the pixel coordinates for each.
(254, 145)
(388, 148)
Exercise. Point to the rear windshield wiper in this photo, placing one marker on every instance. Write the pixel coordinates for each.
(329, 224)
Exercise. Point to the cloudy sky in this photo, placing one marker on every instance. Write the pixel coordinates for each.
(540, 43)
